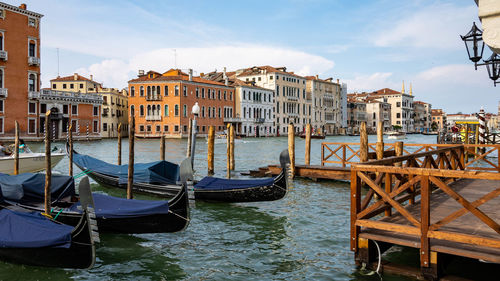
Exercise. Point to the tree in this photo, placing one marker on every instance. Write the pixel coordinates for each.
(434, 126)
(396, 127)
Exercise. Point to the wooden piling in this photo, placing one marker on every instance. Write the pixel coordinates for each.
(70, 156)
(120, 144)
(16, 149)
(466, 141)
(210, 150)
(307, 159)
(48, 165)
(162, 147)
(190, 138)
(231, 162)
(380, 140)
(476, 139)
(131, 135)
(228, 151)
(398, 149)
(291, 148)
(363, 143)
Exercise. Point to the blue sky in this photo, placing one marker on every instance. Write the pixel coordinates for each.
(367, 44)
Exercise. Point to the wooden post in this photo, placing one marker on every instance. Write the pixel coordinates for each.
(363, 143)
(131, 135)
(388, 190)
(210, 150)
(308, 145)
(70, 140)
(398, 149)
(120, 144)
(162, 147)
(466, 142)
(48, 165)
(380, 140)
(190, 138)
(228, 151)
(16, 149)
(476, 140)
(424, 224)
(291, 148)
(231, 163)
(355, 208)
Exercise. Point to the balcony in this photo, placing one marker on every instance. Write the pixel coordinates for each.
(34, 61)
(3, 55)
(4, 93)
(294, 98)
(46, 94)
(256, 101)
(260, 120)
(291, 114)
(153, 98)
(153, 118)
(33, 95)
(232, 119)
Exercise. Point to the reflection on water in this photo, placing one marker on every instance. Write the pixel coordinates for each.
(303, 236)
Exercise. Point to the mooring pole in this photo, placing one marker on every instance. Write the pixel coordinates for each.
(16, 149)
(291, 148)
(228, 151)
(120, 144)
(380, 140)
(70, 156)
(363, 143)
(190, 138)
(231, 148)
(162, 147)
(131, 135)
(48, 165)
(210, 150)
(307, 159)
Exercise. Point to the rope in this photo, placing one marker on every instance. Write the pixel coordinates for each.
(186, 219)
(83, 173)
(57, 214)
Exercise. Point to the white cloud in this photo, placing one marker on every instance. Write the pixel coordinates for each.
(116, 72)
(435, 26)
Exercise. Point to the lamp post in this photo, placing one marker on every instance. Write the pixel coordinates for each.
(195, 110)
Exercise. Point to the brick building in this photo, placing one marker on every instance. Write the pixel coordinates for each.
(19, 70)
(161, 103)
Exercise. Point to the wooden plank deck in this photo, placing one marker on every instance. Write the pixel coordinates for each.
(317, 172)
(441, 206)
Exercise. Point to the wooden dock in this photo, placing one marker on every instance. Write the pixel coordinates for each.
(436, 201)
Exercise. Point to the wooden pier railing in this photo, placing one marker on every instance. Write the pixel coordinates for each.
(412, 206)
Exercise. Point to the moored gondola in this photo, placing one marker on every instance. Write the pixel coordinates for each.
(235, 190)
(116, 215)
(32, 239)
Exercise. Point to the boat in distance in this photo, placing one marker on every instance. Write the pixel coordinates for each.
(29, 162)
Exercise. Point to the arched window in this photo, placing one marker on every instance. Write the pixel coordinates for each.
(184, 110)
(132, 110)
(176, 110)
(32, 82)
(158, 110)
(165, 110)
(148, 93)
(166, 91)
(1, 78)
(149, 109)
(141, 110)
(158, 90)
(132, 91)
(141, 91)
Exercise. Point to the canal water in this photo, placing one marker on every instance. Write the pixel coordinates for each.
(303, 236)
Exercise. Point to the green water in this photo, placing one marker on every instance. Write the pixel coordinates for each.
(303, 236)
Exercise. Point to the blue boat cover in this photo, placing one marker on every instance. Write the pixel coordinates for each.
(211, 183)
(113, 207)
(30, 187)
(158, 172)
(32, 230)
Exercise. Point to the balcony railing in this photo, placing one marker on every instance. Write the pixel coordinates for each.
(260, 120)
(153, 98)
(60, 95)
(232, 119)
(293, 98)
(3, 55)
(4, 93)
(153, 118)
(291, 114)
(33, 95)
(33, 61)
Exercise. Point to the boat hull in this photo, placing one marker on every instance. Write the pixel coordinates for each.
(28, 163)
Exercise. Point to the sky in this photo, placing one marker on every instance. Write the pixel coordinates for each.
(367, 44)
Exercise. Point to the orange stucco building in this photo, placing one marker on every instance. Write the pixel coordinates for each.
(19, 70)
(161, 103)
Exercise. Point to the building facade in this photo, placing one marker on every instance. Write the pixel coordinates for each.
(377, 111)
(402, 109)
(326, 104)
(422, 120)
(438, 119)
(114, 112)
(290, 101)
(19, 70)
(356, 114)
(162, 103)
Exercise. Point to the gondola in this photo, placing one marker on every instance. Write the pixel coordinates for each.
(233, 190)
(33, 239)
(313, 136)
(114, 215)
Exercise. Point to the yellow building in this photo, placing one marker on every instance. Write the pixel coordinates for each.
(114, 112)
(74, 83)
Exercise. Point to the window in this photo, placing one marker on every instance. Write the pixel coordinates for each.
(176, 90)
(398, 104)
(165, 128)
(203, 111)
(43, 108)
(219, 112)
(197, 93)
(132, 110)
(1, 105)
(71, 86)
(203, 128)
(231, 95)
(32, 22)
(96, 126)
(32, 108)
(81, 86)
(32, 82)
(148, 128)
(132, 90)
(209, 93)
(96, 110)
(185, 91)
(141, 128)
(185, 128)
(141, 110)
(218, 94)
(202, 93)
(104, 127)
(141, 91)
(54, 86)
(1, 125)
(165, 110)
(74, 109)
(176, 110)
(32, 49)
(166, 91)
(184, 110)
(64, 86)
(176, 128)
(158, 128)
(398, 115)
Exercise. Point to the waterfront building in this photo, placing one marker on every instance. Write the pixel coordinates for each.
(114, 112)
(75, 83)
(19, 70)
(356, 114)
(439, 118)
(162, 102)
(422, 120)
(326, 98)
(378, 111)
(290, 101)
(402, 109)
(253, 105)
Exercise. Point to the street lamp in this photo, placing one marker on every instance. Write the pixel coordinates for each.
(196, 111)
(474, 44)
(493, 67)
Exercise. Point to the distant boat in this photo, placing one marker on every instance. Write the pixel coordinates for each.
(313, 136)
(430, 133)
(29, 162)
(396, 135)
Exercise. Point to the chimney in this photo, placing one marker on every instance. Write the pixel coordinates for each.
(75, 76)
(91, 77)
(141, 72)
(190, 74)
(22, 6)
(226, 81)
(224, 71)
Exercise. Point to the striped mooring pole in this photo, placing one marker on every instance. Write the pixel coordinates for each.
(482, 128)
(87, 131)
